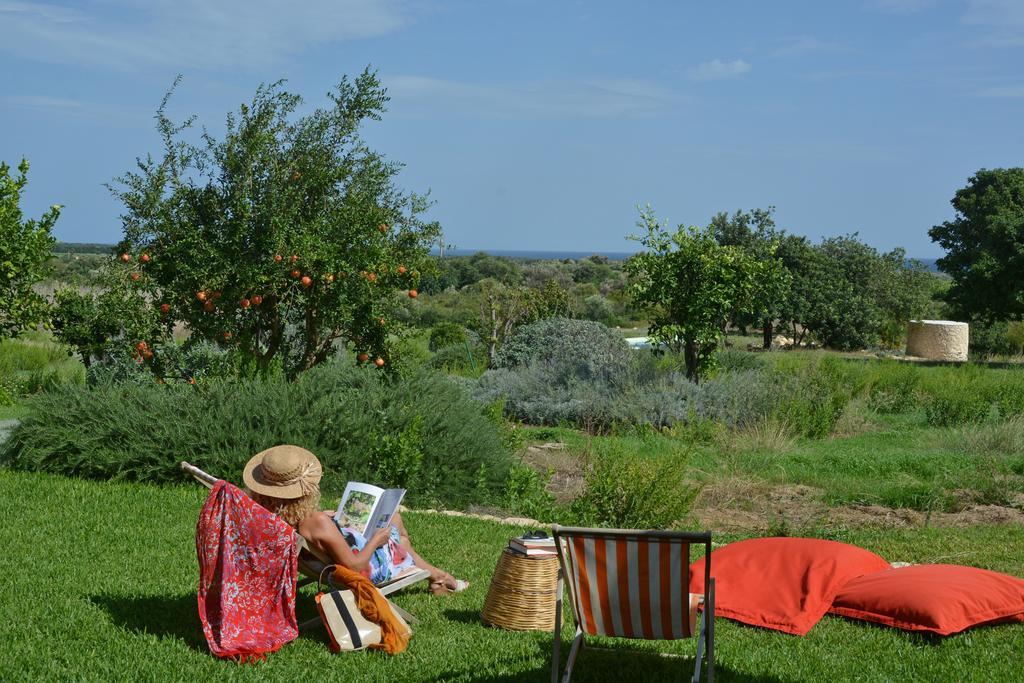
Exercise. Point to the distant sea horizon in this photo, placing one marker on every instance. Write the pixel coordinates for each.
(519, 254)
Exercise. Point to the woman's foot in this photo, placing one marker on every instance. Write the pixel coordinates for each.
(447, 584)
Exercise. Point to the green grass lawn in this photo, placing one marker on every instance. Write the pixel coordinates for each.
(100, 579)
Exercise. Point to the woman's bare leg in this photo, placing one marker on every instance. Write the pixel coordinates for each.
(440, 580)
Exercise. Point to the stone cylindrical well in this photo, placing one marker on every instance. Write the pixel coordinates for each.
(937, 339)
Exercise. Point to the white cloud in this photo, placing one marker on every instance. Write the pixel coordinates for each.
(1001, 22)
(188, 33)
(1004, 92)
(40, 102)
(424, 96)
(717, 70)
(900, 6)
(801, 45)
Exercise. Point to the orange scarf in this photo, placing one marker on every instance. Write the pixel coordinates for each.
(394, 633)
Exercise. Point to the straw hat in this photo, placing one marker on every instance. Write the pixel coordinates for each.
(283, 472)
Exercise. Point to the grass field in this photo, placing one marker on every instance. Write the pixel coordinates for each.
(100, 578)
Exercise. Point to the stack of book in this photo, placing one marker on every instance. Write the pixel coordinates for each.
(533, 547)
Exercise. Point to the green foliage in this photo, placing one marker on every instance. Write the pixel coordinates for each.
(984, 246)
(25, 250)
(998, 338)
(396, 459)
(284, 237)
(895, 388)
(755, 232)
(972, 394)
(447, 334)
(690, 285)
(580, 348)
(737, 360)
(363, 426)
(818, 393)
(32, 364)
(526, 494)
(625, 492)
(118, 320)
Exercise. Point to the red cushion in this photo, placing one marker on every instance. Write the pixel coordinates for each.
(786, 584)
(940, 598)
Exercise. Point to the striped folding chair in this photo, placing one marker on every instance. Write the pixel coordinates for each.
(633, 584)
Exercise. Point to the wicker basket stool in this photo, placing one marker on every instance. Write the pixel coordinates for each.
(522, 593)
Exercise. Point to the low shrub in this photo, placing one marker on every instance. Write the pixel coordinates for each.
(419, 430)
(813, 395)
(526, 494)
(446, 334)
(580, 349)
(625, 492)
(201, 361)
(737, 360)
(895, 387)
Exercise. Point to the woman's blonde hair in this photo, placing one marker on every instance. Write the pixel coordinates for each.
(291, 510)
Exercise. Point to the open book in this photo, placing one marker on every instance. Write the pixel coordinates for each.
(367, 508)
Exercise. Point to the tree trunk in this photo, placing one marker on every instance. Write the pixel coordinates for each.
(768, 330)
(690, 356)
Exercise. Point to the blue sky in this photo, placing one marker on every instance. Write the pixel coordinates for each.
(542, 124)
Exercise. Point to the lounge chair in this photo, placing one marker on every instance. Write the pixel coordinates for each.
(312, 563)
(633, 584)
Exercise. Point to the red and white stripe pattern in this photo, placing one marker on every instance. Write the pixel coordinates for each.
(630, 588)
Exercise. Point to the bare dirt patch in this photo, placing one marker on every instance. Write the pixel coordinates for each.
(741, 505)
(564, 468)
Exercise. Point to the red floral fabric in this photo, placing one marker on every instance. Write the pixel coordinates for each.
(247, 573)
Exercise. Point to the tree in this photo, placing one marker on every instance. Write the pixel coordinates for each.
(285, 240)
(26, 247)
(503, 308)
(984, 246)
(116, 320)
(756, 233)
(690, 285)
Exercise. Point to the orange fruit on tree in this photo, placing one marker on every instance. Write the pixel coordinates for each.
(125, 257)
(372, 277)
(147, 354)
(144, 258)
(165, 308)
(135, 277)
(295, 257)
(244, 303)
(306, 281)
(278, 258)
(141, 346)
(192, 380)
(413, 294)
(401, 270)
(208, 307)
(379, 362)
(257, 300)
(201, 295)
(296, 273)
(362, 358)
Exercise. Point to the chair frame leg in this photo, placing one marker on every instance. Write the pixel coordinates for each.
(556, 653)
(574, 650)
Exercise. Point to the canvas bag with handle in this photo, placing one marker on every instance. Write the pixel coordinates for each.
(346, 626)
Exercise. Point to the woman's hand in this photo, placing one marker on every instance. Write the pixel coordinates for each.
(379, 539)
